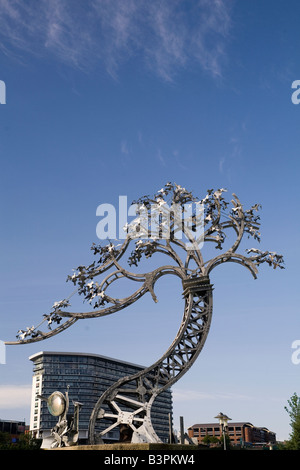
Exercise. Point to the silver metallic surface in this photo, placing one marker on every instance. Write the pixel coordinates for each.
(128, 402)
(66, 431)
(56, 404)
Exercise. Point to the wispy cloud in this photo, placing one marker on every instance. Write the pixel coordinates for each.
(221, 164)
(166, 35)
(14, 396)
(124, 147)
(161, 158)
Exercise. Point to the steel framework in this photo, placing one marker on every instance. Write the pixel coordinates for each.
(128, 402)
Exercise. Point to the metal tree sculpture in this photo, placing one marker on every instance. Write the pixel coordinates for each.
(129, 400)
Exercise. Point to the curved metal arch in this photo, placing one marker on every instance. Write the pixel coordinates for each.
(226, 258)
(129, 400)
(139, 391)
(42, 335)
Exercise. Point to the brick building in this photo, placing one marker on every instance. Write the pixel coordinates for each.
(239, 433)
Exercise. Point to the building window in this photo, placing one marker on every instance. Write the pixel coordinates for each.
(88, 377)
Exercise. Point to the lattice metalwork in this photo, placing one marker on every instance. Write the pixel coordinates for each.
(172, 222)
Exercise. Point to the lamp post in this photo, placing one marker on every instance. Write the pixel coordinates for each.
(223, 420)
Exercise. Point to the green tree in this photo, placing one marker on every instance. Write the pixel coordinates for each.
(210, 440)
(25, 442)
(5, 440)
(28, 442)
(293, 410)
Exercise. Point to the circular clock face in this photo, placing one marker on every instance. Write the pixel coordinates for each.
(56, 404)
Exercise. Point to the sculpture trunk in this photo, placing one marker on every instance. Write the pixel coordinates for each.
(129, 400)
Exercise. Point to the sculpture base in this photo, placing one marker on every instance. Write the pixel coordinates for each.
(129, 446)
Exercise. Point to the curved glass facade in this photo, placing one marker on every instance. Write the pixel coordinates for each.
(88, 376)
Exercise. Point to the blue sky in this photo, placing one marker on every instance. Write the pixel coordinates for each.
(109, 98)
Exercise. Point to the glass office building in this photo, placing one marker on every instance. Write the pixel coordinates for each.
(87, 376)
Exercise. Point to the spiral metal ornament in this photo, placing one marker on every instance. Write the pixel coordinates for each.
(128, 402)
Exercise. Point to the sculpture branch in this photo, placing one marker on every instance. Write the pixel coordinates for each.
(160, 221)
(175, 224)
